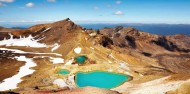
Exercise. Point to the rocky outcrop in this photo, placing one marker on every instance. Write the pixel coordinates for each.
(135, 39)
(171, 52)
(53, 32)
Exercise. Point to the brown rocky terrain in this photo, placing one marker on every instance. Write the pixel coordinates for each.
(157, 64)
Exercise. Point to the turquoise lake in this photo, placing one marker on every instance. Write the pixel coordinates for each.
(81, 59)
(64, 71)
(100, 79)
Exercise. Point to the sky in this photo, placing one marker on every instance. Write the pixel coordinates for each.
(108, 11)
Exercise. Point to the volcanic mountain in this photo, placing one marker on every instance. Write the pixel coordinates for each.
(30, 59)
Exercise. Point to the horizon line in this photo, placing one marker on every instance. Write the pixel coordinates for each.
(90, 22)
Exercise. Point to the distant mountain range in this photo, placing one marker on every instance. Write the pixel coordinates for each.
(160, 29)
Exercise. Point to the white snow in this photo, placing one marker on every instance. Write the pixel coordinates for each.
(60, 83)
(92, 34)
(56, 60)
(11, 83)
(46, 30)
(13, 50)
(47, 54)
(22, 41)
(69, 62)
(70, 81)
(67, 82)
(78, 50)
(55, 46)
(22, 52)
(52, 59)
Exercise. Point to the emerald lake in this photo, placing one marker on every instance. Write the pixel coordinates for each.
(64, 71)
(100, 79)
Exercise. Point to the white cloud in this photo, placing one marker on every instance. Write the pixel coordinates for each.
(118, 2)
(51, 0)
(96, 8)
(30, 5)
(1, 4)
(119, 13)
(7, 1)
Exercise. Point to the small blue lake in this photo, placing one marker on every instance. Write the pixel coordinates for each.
(100, 79)
(64, 72)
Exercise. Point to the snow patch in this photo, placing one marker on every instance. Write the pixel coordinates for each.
(69, 62)
(93, 34)
(11, 83)
(22, 41)
(52, 59)
(55, 46)
(78, 50)
(60, 83)
(22, 52)
(46, 30)
(13, 50)
(71, 82)
(56, 60)
(67, 82)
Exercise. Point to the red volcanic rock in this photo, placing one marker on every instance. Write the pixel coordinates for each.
(86, 90)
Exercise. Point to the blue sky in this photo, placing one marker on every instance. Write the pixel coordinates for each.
(128, 11)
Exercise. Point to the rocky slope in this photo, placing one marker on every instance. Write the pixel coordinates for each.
(157, 64)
